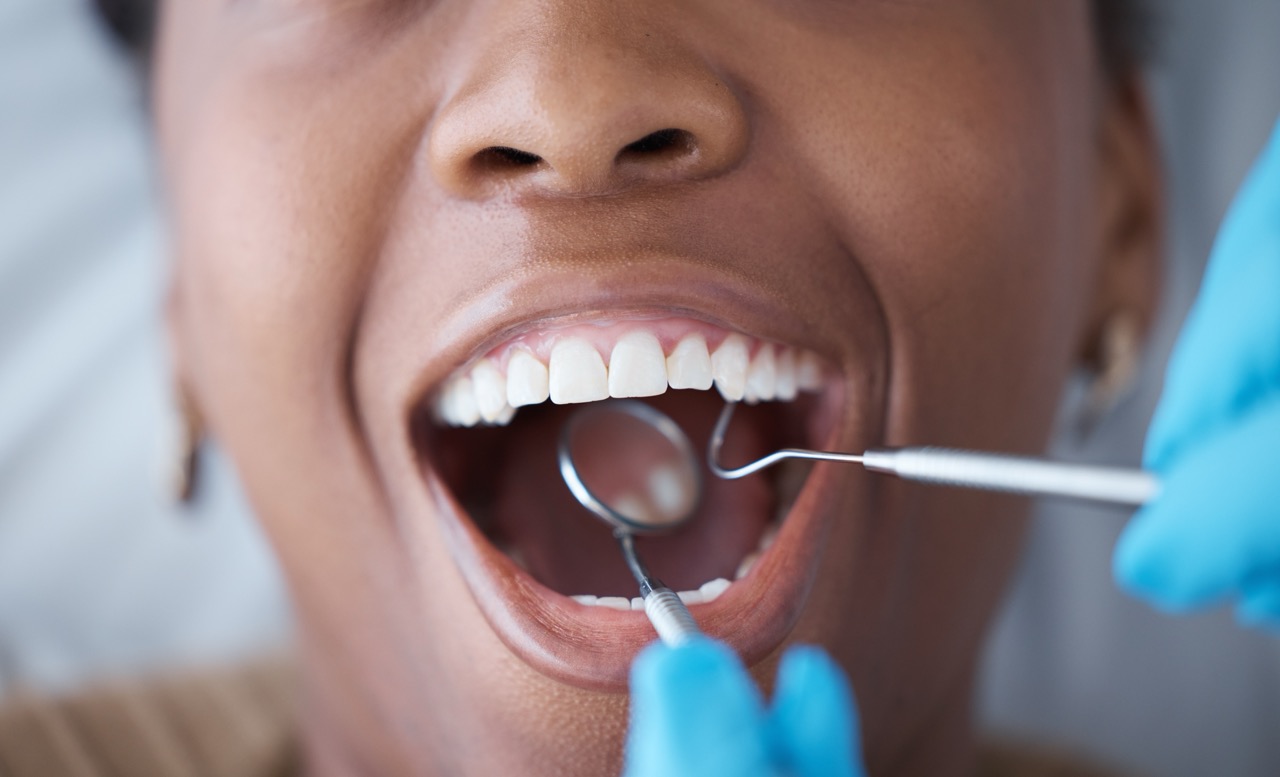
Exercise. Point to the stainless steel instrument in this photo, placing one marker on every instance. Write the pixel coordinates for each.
(966, 469)
(639, 475)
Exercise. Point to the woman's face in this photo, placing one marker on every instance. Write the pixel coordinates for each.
(919, 203)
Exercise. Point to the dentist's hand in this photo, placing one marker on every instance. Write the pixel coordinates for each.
(1213, 534)
(695, 712)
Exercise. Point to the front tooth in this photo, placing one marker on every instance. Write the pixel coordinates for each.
(616, 602)
(712, 589)
(689, 365)
(787, 387)
(729, 367)
(637, 603)
(762, 375)
(637, 367)
(691, 597)
(808, 372)
(745, 565)
(577, 373)
(586, 599)
(461, 403)
(526, 380)
(490, 388)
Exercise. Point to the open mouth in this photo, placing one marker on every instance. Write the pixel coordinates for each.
(548, 574)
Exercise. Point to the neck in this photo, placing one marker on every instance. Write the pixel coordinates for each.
(941, 745)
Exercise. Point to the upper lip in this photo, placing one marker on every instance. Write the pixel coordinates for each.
(545, 629)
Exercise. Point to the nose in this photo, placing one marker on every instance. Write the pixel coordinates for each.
(585, 104)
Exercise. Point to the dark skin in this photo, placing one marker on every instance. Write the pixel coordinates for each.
(945, 199)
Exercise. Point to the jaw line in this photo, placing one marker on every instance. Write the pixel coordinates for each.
(592, 648)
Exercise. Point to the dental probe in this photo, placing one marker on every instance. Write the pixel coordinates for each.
(966, 469)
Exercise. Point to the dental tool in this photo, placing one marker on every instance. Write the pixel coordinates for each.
(965, 469)
(649, 485)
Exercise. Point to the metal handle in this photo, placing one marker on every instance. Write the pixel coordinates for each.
(1015, 474)
(669, 616)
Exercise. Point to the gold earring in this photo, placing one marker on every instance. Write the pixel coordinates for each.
(184, 458)
(1119, 356)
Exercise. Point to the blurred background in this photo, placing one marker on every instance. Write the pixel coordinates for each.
(101, 573)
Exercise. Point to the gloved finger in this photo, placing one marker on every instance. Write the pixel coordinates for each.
(1228, 354)
(1215, 527)
(813, 719)
(695, 711)
(1260, 605)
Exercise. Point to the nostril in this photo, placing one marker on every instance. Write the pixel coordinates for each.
(504, 158)
(662, 144)
(657, 155)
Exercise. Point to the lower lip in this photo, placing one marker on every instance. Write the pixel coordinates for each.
(593, 647)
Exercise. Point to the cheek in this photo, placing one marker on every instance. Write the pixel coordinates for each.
(279, 181)
(957, 166)
(280, 178)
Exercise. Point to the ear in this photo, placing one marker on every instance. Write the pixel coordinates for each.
(187, 432)
(1129, 216)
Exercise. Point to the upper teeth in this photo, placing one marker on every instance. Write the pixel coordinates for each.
(577, 372)
(729, 365)
(527, 382)
(637, 367)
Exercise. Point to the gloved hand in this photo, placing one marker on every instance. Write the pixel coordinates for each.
(696, 712)
(1213, 534)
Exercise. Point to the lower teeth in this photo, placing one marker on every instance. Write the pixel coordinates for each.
(707, 593)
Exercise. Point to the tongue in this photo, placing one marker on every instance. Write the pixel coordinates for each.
(538, 521)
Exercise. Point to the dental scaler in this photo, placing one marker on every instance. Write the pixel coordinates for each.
(966, 469)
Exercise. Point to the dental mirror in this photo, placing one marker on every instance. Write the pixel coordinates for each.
(634, 468)
(631, 466)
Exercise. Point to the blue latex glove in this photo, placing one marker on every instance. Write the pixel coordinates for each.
(1213, 534)
(695, 712)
